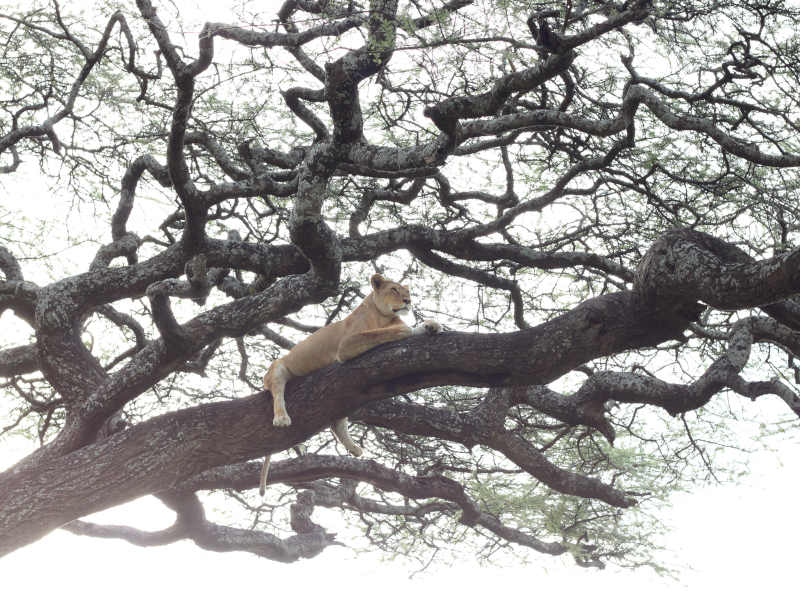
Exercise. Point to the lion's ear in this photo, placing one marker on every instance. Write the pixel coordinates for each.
(376, 281)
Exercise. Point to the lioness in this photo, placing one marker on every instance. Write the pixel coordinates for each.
(375, 321)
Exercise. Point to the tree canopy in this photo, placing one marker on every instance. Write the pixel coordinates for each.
(596, 198)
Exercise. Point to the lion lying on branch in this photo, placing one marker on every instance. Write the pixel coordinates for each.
(374, 322)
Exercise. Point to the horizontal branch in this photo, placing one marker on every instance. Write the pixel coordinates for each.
(309, 468)
(486, 426)
(723, 373)
(192, 524)
(249, 37)
(18, 361)
(152, 456)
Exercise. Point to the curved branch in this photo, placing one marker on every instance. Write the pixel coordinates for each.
(447, 113)
(248, 37)
(484, 426)
(343, 75)
(292, 96)
(218, 153)
(192, 524)
(639, 94)
(391, 193)
(488, 279)
(126, 246)
(9, 265)
(21, 297)
(685, 264)
(434, 17)
(134, 536)
(184, 75)
(680, 398)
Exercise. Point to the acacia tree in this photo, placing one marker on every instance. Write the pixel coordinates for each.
(595, 197)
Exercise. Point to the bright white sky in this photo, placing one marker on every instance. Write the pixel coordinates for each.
(736, 541)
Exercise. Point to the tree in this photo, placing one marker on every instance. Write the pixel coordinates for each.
(595, 197)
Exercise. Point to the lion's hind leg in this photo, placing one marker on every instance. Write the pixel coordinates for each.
(339, 429)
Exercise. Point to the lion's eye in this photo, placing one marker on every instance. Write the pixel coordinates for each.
(395, 291)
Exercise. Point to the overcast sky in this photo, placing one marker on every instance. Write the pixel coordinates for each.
(731, 541)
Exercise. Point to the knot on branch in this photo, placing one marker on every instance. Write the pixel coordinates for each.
(25, 290)
(196, 270)
(301, 512)
(199, 281)
(684, 266)
(114, 424)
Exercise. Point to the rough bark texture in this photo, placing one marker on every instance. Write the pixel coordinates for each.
(381, 148)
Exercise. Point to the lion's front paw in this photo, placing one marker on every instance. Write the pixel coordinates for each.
(432, 327)
(281, 421)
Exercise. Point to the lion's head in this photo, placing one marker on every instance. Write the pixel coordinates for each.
(391, 298)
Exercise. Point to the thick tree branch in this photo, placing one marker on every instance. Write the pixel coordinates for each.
(343, 75)
(680, 398)
(236, 430)
(18, 361)
(21, 297)
(447, 113)
(687, 264)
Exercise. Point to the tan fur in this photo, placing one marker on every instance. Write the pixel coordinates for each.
(374, 322)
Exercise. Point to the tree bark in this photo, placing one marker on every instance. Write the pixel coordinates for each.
(159, 453)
